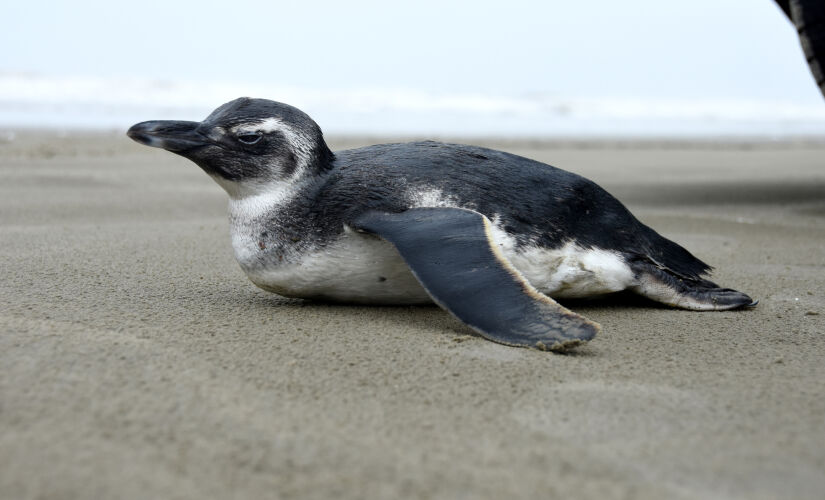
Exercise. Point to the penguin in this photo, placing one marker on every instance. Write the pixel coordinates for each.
(491, 237)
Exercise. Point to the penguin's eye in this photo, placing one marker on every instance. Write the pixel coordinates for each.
(249, 137)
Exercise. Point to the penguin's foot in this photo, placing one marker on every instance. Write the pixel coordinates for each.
(694, 294)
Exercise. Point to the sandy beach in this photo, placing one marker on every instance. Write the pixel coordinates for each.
(137, 361)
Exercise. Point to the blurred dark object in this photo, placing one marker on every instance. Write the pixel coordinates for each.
(808, 16)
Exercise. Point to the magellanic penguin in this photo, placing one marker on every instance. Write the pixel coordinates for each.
(487, 235)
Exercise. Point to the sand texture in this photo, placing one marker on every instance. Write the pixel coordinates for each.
(137, 361)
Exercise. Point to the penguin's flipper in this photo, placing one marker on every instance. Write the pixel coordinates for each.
(452, 254)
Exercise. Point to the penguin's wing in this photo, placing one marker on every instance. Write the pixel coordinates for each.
(452, 254)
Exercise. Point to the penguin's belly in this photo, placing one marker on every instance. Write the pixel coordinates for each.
(365, 269)
(356, 268)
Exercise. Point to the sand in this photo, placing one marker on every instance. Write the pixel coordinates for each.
(137, 361)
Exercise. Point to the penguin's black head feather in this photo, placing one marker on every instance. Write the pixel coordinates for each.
(245, 143)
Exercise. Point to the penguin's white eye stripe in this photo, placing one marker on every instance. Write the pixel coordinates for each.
(249, 137)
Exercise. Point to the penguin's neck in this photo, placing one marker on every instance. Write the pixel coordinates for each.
(265, 200)
(261, 223)
(267, 217)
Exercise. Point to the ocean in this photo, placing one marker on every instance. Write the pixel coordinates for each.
(97, 103)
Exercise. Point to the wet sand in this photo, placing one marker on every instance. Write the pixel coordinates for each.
(137, 361)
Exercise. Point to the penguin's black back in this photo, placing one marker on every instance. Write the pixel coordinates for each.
(537, 203)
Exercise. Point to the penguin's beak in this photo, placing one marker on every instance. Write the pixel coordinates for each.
(175, 136)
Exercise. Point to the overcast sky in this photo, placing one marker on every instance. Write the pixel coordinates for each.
(643, 49)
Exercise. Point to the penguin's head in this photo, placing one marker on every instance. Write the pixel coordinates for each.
(246, 145)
